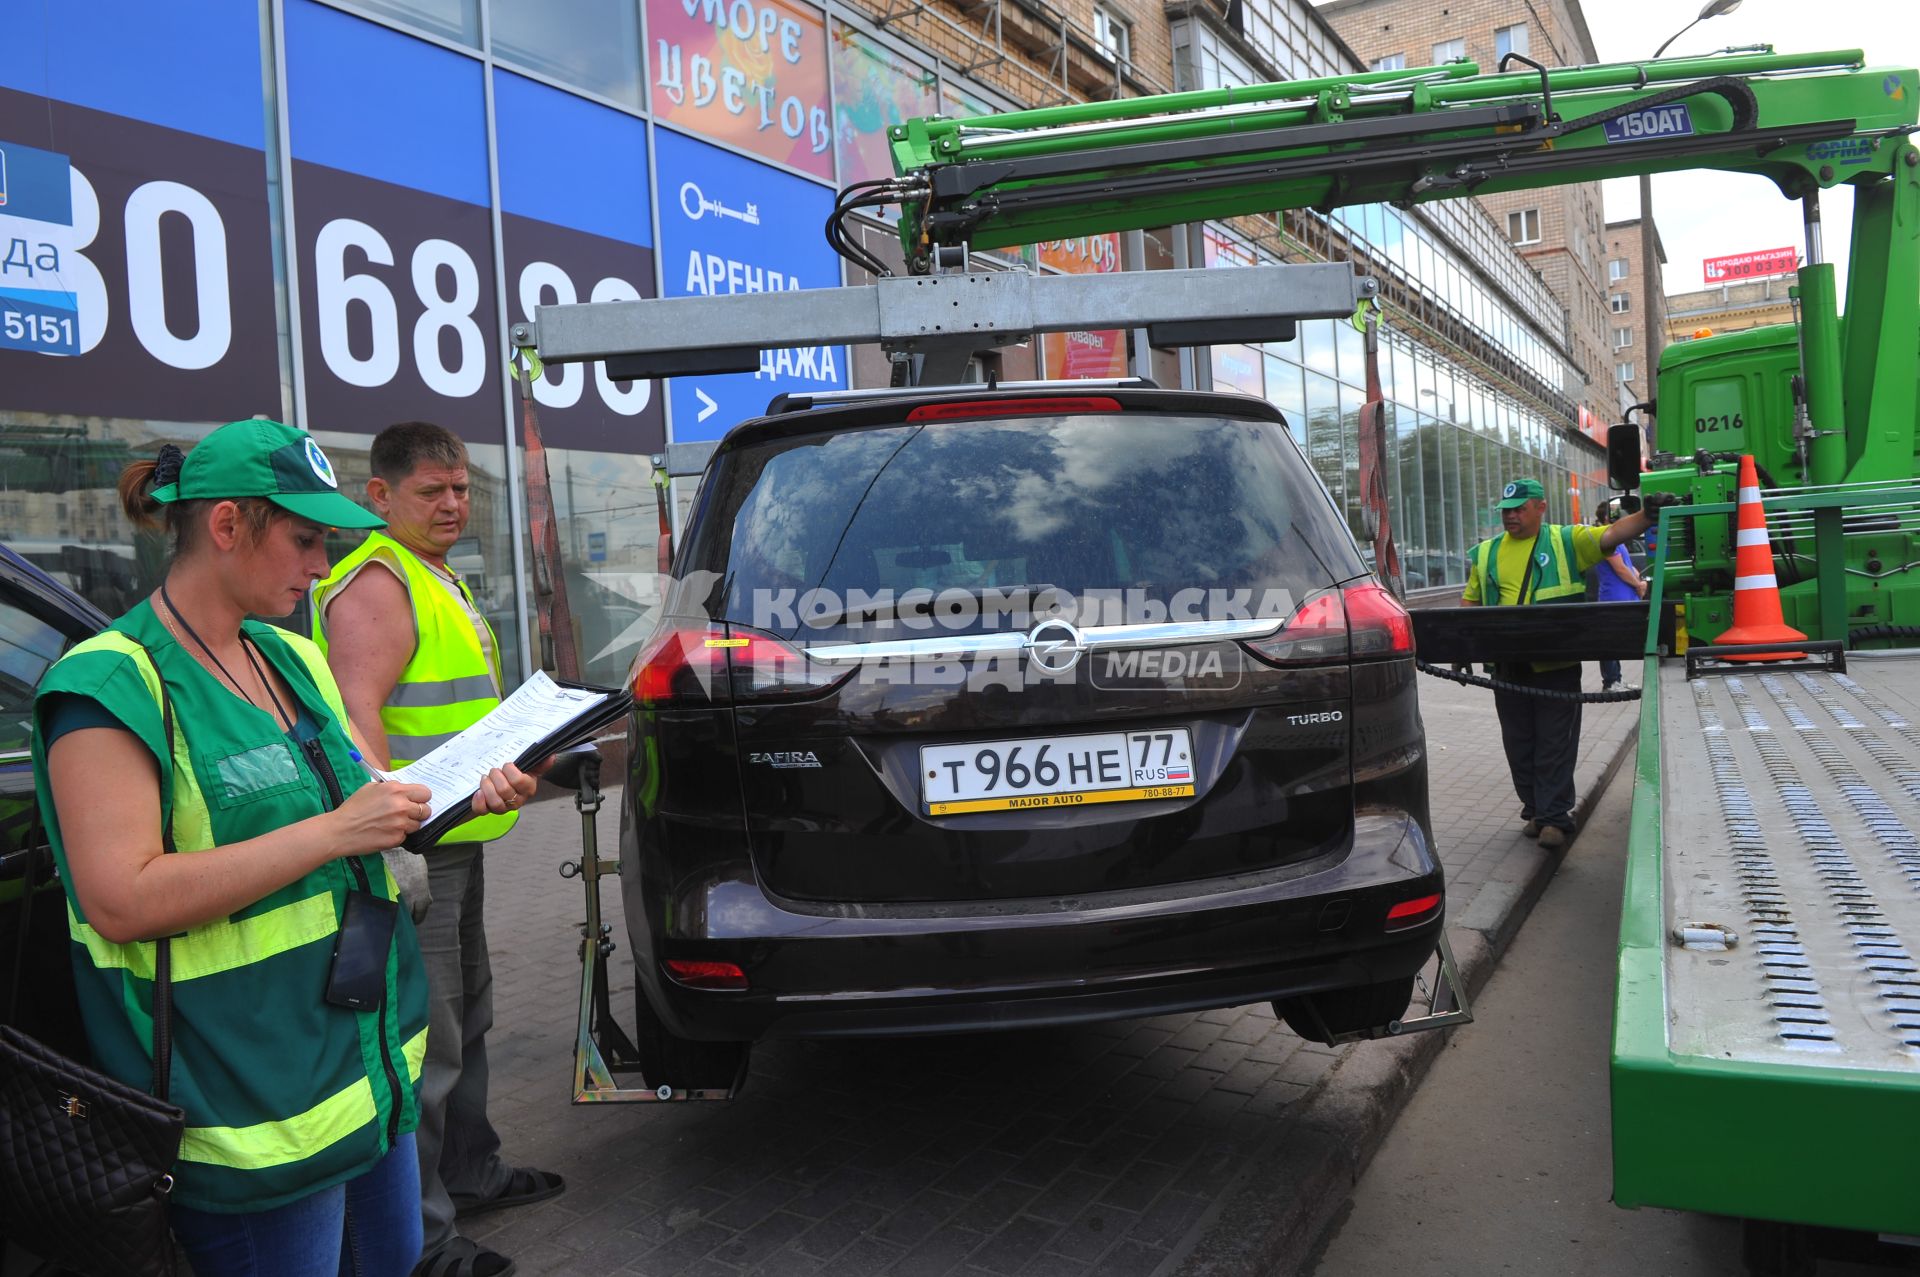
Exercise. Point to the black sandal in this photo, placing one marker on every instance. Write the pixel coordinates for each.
(524, 1185)
(462, 1257)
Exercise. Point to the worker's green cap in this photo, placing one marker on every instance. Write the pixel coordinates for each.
(266, 459)
(1521, 491)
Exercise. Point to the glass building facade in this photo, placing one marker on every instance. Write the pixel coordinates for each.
(330, 213)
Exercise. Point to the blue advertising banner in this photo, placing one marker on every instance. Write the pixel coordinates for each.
(729, 225)
(136, 259)
(394, 234)
(576, 225)
(36, 214)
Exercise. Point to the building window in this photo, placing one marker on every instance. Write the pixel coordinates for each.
(1511, 39)
(1392, 62)
(1619, 303)
(1112, 33)
(589, 44)
(1523, 226)
(1625, 371)
(1449, 51)
(1622, 338)
(456, 20)
(1616, 270)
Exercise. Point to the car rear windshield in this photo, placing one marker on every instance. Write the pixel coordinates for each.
(1125, 509)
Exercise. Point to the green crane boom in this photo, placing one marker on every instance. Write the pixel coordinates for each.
(1806, 121)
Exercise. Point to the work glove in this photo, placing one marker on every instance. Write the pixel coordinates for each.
(1652, 504)
(410, 876)
(575, 769)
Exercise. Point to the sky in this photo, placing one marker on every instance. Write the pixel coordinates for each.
(1702, 214)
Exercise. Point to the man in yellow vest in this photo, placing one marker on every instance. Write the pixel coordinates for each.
(1531, 562)
(417, 663)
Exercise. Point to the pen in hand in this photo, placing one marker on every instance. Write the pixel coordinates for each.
(374, 774)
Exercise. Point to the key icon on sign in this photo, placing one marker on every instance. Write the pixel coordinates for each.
(695, 204)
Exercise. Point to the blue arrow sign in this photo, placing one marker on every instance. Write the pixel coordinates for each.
(729, 225)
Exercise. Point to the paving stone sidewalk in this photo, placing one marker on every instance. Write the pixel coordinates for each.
(1213, 1143)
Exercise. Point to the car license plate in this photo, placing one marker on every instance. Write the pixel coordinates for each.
(1056, 771)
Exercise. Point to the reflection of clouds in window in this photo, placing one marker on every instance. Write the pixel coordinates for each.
(1078, 503)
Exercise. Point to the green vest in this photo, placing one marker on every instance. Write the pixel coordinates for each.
(1554, 574)
(284, 1094)
(448, 684)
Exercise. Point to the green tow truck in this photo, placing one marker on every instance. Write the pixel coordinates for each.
(1776, 1076)
(1767, 1032)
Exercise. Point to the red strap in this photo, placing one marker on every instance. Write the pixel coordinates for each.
(558, 650)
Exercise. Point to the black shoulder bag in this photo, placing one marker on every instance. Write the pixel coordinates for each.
(86, 1161)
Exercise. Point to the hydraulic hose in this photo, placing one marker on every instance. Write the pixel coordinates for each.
(1547, 693)
(1868, 633)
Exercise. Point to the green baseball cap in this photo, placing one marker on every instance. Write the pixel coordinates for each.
(266, 459)
(1519, 492)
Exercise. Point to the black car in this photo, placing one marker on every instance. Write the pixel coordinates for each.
(992, 707)
(39, 620)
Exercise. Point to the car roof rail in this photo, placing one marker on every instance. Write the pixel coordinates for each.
(790, 402)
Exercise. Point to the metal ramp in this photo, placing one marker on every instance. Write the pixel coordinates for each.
(1793, 824)
(1766, 1049)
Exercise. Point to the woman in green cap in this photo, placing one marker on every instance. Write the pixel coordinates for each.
(188, 728)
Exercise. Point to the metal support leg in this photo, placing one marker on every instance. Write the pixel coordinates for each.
(1447, 1002)
(601, 1048)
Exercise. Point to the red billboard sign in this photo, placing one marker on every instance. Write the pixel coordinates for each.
(1768, 261)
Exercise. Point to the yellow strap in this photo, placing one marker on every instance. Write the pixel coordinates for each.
(221, 945)
(291, 1139)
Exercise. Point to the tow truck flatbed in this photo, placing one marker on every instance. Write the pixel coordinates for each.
(1778, 1078)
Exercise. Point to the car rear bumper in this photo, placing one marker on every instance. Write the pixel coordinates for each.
(882, 971)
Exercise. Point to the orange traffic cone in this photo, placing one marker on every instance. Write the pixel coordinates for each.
(1756, 594)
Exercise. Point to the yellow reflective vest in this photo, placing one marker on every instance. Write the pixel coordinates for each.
(1557, 574)
(450, 682)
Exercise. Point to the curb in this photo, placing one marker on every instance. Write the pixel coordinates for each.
(1321, 1152)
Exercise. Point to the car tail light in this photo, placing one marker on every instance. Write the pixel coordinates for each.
(693, 665)
(1055, 407)
(1315, 634)
(698, 973)
(1411, 913)
(681, 665)
(1360, 622)
(1378, 622)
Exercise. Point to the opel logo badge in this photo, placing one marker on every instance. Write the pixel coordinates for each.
(1055, 646)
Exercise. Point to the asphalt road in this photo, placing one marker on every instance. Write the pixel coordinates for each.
(1502, 1161)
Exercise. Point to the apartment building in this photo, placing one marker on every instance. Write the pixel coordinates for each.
(1559, 230)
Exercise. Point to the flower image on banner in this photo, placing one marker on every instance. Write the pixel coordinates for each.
(873, 87)
(1099, 353)
(748, 73)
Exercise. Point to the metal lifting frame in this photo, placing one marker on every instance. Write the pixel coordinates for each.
(947, 320)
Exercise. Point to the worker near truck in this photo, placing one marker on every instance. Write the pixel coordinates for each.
(1536, 562)
(1615, 580)
(417, 664)
(188, 727)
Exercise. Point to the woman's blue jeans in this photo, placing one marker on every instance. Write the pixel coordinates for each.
(366, 1227)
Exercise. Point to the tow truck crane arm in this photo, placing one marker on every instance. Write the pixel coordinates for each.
(1400, 137)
